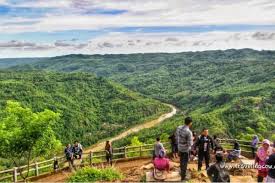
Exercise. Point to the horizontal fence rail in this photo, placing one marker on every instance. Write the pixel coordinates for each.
(91, 158)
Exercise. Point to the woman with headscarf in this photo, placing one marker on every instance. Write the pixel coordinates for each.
(261, 157)
(254, 145)
(109, 152)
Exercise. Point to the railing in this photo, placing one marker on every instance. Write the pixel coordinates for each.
(92, 158)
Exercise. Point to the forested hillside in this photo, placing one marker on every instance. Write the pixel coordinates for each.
(230, 91)
(91, 108)
(10, 62)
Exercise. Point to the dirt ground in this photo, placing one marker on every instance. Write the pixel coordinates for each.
(135, 170)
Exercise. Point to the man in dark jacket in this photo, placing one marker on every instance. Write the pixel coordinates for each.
(204, 144)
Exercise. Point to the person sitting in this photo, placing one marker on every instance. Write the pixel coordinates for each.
(158, 147)
(235, 153)
(161, 166)
(217, 172)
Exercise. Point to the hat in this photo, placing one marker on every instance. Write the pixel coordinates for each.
(266, 141)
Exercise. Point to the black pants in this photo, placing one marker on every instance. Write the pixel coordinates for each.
(109, 159)
(253, 149)
(184, 157)
(260, 179)
(203, 155)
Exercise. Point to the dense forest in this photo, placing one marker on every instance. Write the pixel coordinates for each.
(91, 108)
(231, 92)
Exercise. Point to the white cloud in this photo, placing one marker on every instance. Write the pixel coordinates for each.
(3, 2)
(143, 13)
(177, 42)
(117, 42)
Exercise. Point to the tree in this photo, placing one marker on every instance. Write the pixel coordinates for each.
(135, 142)
(25, 135)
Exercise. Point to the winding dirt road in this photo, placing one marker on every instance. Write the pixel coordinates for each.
(62, 176)
(100, 145)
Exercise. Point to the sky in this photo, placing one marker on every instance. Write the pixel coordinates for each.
(42, 28)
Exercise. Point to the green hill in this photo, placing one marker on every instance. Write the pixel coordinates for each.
(12, 62)
(217, 88)
(92, 108)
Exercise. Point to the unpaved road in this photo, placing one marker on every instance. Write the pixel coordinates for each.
(100, 145)
(61, 177)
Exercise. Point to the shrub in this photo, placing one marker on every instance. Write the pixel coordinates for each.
(89, 174)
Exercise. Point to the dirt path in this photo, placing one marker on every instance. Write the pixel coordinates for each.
(133, 172)
(99, 146)
(62, 176)
(122, 166)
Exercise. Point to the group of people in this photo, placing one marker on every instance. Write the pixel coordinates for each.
(188, 146)
(73, 152)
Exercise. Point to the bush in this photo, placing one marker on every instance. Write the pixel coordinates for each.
(89, 174)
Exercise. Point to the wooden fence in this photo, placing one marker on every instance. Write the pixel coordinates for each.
(89, 159)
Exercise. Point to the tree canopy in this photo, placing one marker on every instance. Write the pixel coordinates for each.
(25, 134)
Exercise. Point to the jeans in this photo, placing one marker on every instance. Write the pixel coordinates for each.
(184, 157)
(203, 155)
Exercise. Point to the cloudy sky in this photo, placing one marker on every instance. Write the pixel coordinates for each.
(35, 28)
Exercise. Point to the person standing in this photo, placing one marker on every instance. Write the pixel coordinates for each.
(185, 141)
(109, 152)
(69, 156)
(261, 157)
(174, 145)
(158, 147)
(271, 164)
(77, 150)
(204, 144)
(254, 145)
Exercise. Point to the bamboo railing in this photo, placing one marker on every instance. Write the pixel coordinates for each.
(91, 158)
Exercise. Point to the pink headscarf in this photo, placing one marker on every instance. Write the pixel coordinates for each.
(262, 154)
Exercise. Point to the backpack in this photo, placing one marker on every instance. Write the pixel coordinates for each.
(223, 175)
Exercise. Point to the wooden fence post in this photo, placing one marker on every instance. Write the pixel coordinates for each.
(125, 152)
(140, 151)
(36, 169)
(15, 174)
(91, 158)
